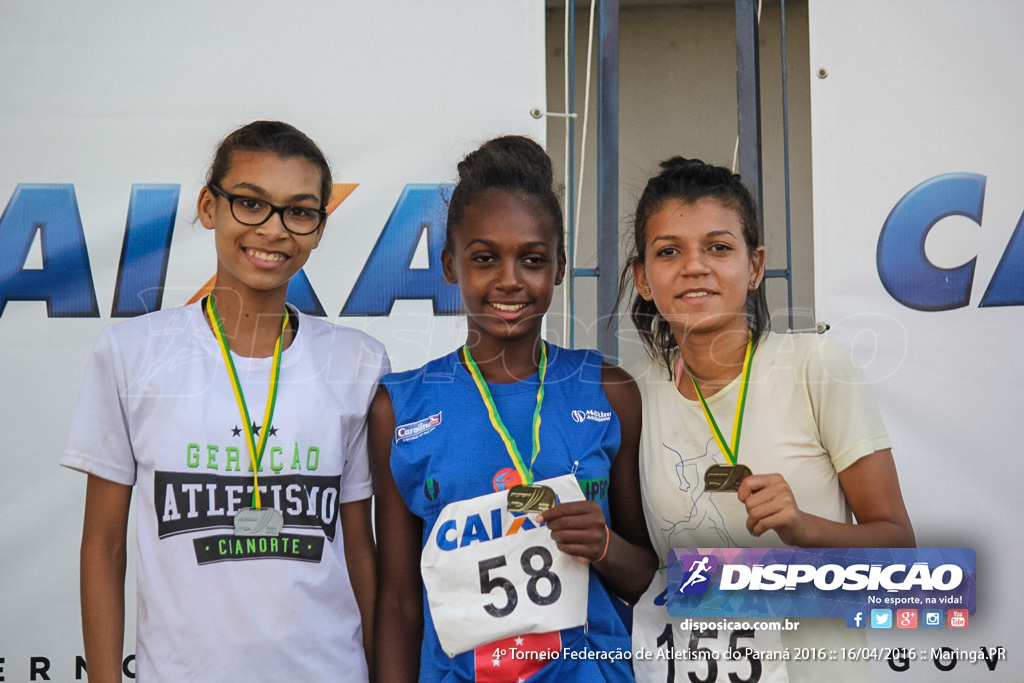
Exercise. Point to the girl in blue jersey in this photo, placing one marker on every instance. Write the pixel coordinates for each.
(477, 580)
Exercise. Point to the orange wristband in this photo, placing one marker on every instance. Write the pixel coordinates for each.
(607, 538)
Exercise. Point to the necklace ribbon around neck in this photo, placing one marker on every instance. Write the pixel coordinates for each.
(525, 473)
(731, 454)
(255, 448)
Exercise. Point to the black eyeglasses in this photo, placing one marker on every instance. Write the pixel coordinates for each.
(298, 220)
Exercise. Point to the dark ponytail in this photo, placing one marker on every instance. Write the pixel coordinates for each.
(688, 181)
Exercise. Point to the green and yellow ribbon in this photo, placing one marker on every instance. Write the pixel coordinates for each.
(525, 473)
(731, 454)
(255, 449)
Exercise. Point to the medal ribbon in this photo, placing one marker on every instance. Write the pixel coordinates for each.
(526, 474)
(731, 454)
(255, 449)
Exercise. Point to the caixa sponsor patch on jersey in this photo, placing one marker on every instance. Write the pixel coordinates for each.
(414, 430)
(581, 416)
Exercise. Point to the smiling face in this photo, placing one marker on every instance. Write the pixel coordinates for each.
(697, 267)
(261, 259)
(505, 258)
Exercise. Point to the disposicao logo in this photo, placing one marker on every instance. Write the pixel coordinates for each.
(695, 580)
(813, 582)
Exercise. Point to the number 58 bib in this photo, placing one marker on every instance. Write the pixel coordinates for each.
(491, 574)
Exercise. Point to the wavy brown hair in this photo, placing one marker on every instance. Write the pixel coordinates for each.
(688, 181)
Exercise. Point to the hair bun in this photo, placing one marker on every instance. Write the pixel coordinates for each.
(680, 164)
(508, 161)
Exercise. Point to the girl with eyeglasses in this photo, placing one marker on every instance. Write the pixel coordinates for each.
(508, 507)
(812, 453)
(241, 424)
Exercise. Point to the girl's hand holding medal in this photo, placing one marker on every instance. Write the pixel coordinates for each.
(578, 529)
(771, 505)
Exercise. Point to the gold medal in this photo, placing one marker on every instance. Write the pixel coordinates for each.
(535, 498)
(719, 478)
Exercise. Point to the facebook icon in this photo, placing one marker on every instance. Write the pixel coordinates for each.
(855, 618)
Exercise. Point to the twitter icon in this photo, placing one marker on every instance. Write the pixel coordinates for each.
(881, 618)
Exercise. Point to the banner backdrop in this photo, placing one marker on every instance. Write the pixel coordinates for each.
(919, 269)
(109, 116)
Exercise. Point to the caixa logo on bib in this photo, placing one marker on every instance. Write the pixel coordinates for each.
(913, 279)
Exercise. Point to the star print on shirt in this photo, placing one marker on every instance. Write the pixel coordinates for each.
(236, 431)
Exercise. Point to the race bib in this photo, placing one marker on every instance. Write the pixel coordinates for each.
(699, 655)
(491, 574)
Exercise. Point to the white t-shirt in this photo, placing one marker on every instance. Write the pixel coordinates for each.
(809, 415)
(157, 411)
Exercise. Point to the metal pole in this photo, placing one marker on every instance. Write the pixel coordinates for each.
(570, 174)
(608, 177)
(785, 148)
(748, 101)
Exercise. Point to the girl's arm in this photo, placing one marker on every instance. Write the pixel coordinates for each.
(361, 559)
(103, 561)
(872, 488)
(398, 629)
(579, 528)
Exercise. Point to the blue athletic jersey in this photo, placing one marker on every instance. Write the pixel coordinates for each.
(445, 449)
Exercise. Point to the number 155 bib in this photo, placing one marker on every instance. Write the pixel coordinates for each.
(491, 574)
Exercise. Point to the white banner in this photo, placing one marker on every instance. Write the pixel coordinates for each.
(109, 116)
(919, 269)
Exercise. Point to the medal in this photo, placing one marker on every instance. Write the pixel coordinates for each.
(532, 498)
(258, 522)
(529, 498)
(719, 478)
(725, 477)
